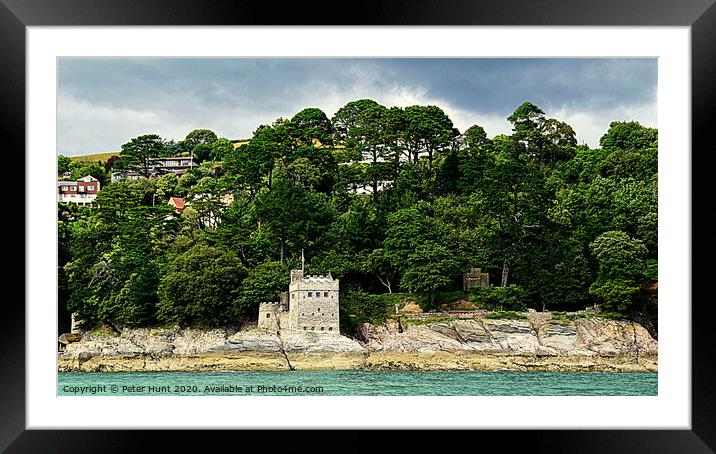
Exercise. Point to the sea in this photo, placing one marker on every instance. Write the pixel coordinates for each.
(357, 383)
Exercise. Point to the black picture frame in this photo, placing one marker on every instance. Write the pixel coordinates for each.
(700, 15)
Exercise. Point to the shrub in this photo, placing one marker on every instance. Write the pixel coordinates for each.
(358, 307)
(499, 297)
(509, 315)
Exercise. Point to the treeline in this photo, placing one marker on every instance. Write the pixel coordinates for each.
(556, 224)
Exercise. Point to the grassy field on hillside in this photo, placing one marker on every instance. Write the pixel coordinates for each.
(95, 157)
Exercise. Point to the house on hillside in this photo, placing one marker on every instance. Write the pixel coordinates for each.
(209, 217)
(129, 175)
(177, 203)
(81, 192)
(178, 165)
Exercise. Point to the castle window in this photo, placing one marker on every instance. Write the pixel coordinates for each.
(313, 328)
(304, 328)
(319, 309)
(322, 328)
(325, 294)
(330, 328)
(310, 294)
(268, 315)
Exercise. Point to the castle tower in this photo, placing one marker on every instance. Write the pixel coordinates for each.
(269, 314)
(313, 303)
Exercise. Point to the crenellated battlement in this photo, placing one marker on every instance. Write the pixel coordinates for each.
(318, 278)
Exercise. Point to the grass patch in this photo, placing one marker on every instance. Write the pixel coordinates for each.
(507, 315)
(572, 316)
(95, 157)
(101, 330)
(424, 321)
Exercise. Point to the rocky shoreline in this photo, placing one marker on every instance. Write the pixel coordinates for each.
(539, 343)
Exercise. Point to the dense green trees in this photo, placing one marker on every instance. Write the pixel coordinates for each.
(115, 268)
(63, 164)
(622, 269)
(137, 154)
(199, 143)
(81, 168)
(265, 282)
(557, 225)
(629, 135)
(427, 130)
(202, 285)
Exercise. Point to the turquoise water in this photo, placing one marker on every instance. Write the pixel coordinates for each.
(358, 383)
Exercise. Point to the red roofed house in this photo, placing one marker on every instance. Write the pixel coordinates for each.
(177, 203)
(82, 192)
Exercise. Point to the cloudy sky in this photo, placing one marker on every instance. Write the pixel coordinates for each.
(103, 102)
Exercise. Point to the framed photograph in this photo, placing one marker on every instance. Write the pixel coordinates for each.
(455, 216)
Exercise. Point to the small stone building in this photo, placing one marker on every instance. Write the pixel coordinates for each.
(269, 314)
(312, 305)
(475, 278)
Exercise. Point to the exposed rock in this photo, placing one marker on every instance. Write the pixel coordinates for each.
(538, 343)
(410, 307)
(68, 338)
(254, 340)
(312, 342)
(583, 337)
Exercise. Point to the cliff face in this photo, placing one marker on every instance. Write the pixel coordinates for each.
(539, 343)
(583, 337)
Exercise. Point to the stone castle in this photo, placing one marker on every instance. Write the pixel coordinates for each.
(310, 305)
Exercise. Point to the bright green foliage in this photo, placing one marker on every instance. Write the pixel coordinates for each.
(63, 164)
(604, 190)
(629, 135)
(431, 268)
(221, 149)
(79, 169)
(166, 186)
(622, 269)
(265, 282)
(417, 245)
(358, 307)
(499, 298)
(475, 138)
(184, 184)
(202, 286)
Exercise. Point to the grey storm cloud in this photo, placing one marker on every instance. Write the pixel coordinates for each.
(103, 102)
